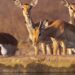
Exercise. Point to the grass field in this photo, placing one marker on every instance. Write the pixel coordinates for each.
(38, 64)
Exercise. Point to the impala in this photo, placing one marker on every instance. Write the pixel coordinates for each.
(63, 32)
(71, 8)
(33, 29)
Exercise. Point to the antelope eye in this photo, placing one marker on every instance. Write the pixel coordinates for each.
(71, 8)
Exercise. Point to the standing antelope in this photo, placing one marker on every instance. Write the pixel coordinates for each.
(56, 29)
(34, 31)
(71, 8)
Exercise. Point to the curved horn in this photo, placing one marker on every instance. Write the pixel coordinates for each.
(40, 24)
(34, 3)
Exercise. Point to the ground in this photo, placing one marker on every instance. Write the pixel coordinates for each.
(37, 64)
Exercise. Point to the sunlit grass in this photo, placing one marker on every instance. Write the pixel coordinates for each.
(53, 61)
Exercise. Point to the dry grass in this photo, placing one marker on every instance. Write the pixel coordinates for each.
(53, 61)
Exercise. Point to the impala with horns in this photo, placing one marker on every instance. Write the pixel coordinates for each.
(62, 31)
(71, 8)
(33, 29)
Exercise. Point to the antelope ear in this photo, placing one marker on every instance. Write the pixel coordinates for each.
(45, 23)
(65, 3)
(33, 3)
(17, 3)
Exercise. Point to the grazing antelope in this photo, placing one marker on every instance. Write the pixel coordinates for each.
(71, 8)
(61, 31)
(62, 43)
(34, 31)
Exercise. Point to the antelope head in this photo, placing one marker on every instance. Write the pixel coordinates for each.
(26, 7)
(69, 5)
(36, 33)
(71, 9)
